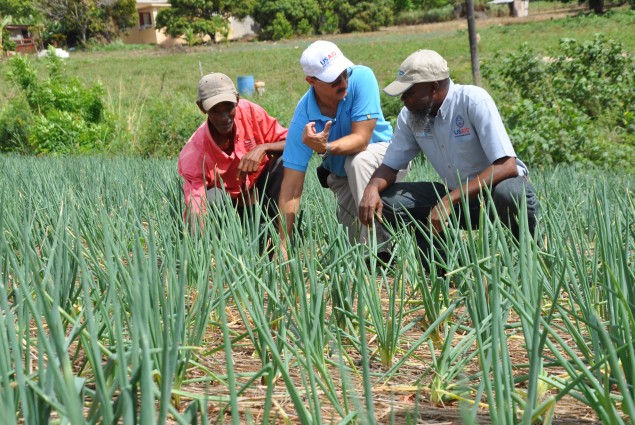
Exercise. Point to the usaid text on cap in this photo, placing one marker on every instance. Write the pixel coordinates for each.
(328, 58)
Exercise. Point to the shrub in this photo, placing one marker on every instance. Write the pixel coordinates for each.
(329, 23)
(281, 18)
(167, 126)
(414, 17)
(557, 107)
(363, 15)
(304, 27)
(281, 27)
(15, 121)
(7, 43)
(61, 114)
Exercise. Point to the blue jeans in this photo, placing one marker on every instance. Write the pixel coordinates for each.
(416, 199)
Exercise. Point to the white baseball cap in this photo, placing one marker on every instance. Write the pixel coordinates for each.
(422, 66)
(216, 88)
(324, 61)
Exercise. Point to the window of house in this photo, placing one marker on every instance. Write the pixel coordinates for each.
(145, 20)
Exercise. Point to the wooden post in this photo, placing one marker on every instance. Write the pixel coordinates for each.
(471, 30)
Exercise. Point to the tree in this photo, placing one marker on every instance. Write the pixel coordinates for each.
(22, 11)
(363, 15)
(73, 16)
(323, 16)
(4, 21)
(201, 17)
(80, 20)
(271, 15)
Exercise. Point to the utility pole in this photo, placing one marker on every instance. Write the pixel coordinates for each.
(471, 30)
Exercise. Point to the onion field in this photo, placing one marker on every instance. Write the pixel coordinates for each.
(113, 312)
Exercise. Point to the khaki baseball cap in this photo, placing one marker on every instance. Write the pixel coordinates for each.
(324, 61)
(216, 88)
(422, 66)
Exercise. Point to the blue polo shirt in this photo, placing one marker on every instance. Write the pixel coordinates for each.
(360, 104)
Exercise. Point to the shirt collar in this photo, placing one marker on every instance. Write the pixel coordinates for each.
(445, 106)
(313, 109)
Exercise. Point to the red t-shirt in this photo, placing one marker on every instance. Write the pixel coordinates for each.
(201, 160)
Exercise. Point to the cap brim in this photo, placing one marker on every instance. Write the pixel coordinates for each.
(396, 88)
(210, 102)
(335, 69)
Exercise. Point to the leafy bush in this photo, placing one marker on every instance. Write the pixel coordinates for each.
(363, 15)
(283, 18)
(557, 107)
(281, 27)
(15, 121)
(414, 17)
(272, 14)
(167, 126)
(329, 23)
(7, 43)
(60, 114)
(304, 27)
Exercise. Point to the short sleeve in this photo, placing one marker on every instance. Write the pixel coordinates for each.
(404, 146)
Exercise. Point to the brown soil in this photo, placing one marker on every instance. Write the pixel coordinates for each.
(404, 398)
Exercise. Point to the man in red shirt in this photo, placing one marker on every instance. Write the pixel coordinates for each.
(236, 151)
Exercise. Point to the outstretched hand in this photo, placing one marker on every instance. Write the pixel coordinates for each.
(316, 141)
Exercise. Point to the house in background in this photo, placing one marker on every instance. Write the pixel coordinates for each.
(146, 31)
(22, 38)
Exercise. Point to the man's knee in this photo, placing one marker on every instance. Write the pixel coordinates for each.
(512, 194)
(508, 194)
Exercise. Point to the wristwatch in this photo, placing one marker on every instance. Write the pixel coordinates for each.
(326, 152)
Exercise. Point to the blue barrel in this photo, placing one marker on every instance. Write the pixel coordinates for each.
(246, 85)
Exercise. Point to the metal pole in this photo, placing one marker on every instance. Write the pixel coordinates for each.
(471, 30)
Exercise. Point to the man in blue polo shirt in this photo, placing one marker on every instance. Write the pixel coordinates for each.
(461, 133)
(339, 118)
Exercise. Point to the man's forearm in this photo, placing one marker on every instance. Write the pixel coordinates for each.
(288, 210)
(356, 141)
(348, 145)
(383, 177)
(274, 148)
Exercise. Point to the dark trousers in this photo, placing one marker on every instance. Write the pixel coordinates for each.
(268, 188)
(405, 200)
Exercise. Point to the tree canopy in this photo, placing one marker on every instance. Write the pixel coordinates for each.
(80, 20)
(201, 17)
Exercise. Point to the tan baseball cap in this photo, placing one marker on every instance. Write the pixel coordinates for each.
(422, 66)
(216, 88)
(324, 61)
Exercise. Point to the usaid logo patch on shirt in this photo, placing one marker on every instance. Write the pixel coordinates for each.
(460, 129)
